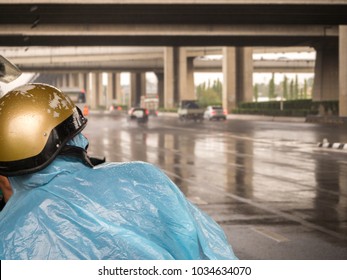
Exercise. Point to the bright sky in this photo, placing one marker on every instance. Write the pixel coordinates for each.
(259, 78)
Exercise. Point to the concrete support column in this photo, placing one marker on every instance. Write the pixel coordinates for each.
(91, 97)
(118, 88)
(59, 81)
(237, 76)
(94, 92)
(73, 80)
(229, 78)
(82, 81)
(186, 76)
(244, 74)
(101, 91)
(65, 81)
(170, 76)
(55, 81)
(137, 88)
(160, 91)
(113, 92)
(326, 73)
(343, 71)
(110, 90)
(69, 80)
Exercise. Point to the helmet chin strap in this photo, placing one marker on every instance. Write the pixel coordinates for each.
(81, 154)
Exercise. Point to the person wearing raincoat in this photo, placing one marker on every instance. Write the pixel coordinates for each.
(65, 207)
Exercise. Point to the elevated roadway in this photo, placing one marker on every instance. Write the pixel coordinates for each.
(203, 23)
(170, 23)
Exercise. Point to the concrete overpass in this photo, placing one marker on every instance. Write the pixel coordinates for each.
(236, 25)
(60, 65)
(142, 59)
(170, 23)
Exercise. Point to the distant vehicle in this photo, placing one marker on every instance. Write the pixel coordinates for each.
(151, 103)
(138, 114)
(215, 113)
(78, 96)
(190, 110)
(153, 112)
(115, 109)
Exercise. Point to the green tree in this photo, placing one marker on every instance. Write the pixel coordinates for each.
(285, 88)
(291, 90)
(255, 92)
(305, 89)
(208, 94)
(272, 87)
(296, 87)
(217, 87)
(208, 97)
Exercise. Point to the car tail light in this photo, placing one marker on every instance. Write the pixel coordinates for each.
(213, 112)
(147, 112)
(225, 111)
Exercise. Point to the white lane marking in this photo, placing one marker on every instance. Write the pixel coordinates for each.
(270, 234)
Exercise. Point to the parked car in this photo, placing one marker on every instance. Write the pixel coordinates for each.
(215, 113)
(138, 114)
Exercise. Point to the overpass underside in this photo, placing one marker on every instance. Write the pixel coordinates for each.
(223, 23)
(234, 25)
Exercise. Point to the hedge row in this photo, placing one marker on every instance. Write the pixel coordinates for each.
(300, 108)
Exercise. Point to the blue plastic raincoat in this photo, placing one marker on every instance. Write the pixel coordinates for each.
(113, 211)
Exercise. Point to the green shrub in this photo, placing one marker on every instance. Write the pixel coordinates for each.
(301, 107)
(169, 110)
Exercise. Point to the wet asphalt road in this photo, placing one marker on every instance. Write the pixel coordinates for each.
(276, 194)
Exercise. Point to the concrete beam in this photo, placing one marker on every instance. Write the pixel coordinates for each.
(148, 30)
(157, 65)
(63, 54)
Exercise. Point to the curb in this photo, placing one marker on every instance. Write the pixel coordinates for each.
(326, 144)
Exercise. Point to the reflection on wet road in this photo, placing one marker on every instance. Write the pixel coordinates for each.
(276, 194)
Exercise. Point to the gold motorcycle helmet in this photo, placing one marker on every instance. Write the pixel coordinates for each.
(36, 121)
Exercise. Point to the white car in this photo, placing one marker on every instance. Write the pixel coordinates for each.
(215, 113)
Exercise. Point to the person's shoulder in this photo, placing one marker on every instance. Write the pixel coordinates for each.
(136, 170)
(130, 168)
(125, 165)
